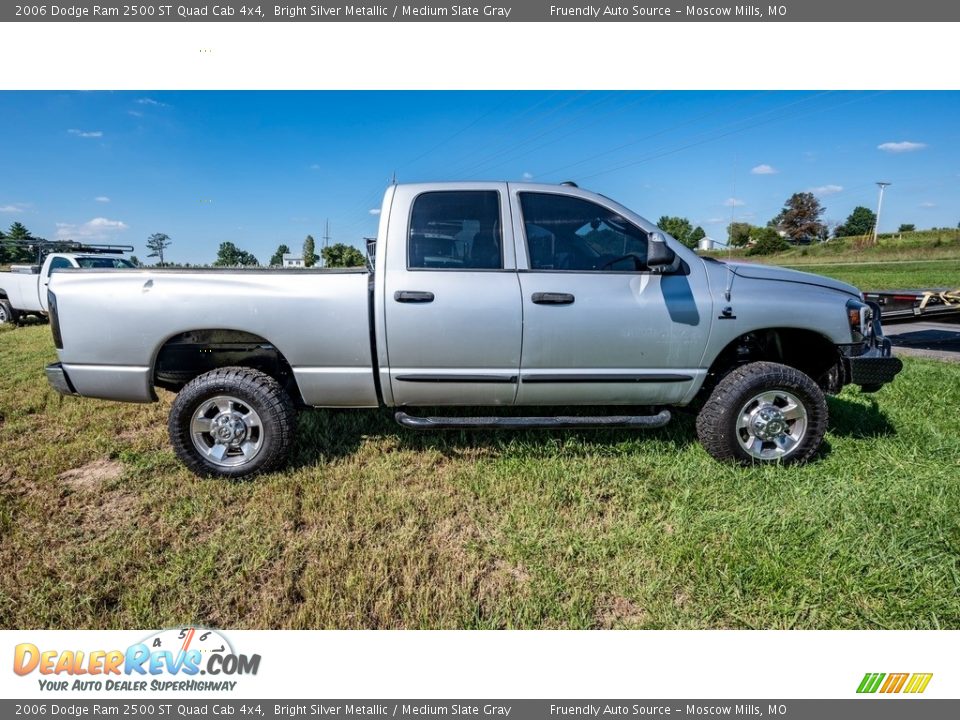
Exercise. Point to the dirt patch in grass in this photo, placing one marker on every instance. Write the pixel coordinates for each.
(619, 612)
(92, 476)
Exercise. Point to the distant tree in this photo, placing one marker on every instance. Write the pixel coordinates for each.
(907, 227)
(342, 255)
(309, 252)
(800, 217)
(696, 236)
(739, 233)
(277, 258)
(229, 255)
(767, 241)
(157, 243)
(135, 260)
(15, 246)
(859, 222)
(679, 227)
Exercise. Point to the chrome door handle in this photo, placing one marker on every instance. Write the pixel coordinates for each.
(552, 298)
(413, 296)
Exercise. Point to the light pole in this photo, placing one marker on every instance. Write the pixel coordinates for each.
(882, 185)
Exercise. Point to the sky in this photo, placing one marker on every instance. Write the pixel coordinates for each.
(264, 168)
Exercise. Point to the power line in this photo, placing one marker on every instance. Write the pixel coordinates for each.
(672, 151)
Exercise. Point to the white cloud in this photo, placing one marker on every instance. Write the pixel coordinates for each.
(13, 208)
(374, 211)
(86, 133)
(734, 202)
(150, 101)
(99, 228)
(527, 176)
(714, 220)
(316, 166)
(826, 189)
(764, 170)
(928, 204)
(135, 113)
(901, 147)
(102, 199)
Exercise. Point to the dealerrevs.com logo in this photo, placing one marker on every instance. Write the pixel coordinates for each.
(179, 659)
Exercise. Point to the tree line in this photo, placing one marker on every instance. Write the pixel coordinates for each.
(19, 245)
(800, 222)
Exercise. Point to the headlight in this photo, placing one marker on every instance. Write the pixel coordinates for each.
(860, 317)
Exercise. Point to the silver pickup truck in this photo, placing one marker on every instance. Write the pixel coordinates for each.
(476, 294)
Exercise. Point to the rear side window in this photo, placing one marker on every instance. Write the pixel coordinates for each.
(58, 263)
(456, 230)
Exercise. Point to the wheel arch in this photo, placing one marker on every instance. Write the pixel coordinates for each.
(808, 351)
(185, 355)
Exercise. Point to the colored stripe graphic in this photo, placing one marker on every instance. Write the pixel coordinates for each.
(870, 682)
(918, 682)
(894, 683)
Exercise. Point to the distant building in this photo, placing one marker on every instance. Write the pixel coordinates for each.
(706, 243)
(290, 260)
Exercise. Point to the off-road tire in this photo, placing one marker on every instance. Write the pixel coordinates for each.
(255, 389)
(717, 421)
(8, 316)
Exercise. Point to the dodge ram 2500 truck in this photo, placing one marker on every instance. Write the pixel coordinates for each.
(477, 294)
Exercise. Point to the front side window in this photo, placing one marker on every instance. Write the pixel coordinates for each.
(570, 233)
(456, 230)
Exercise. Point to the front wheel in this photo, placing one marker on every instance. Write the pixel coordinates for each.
(232, 422)
(763, 412)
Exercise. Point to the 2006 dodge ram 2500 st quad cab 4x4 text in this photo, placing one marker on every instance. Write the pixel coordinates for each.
(478, 294)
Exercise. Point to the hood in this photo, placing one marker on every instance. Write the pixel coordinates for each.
(772, 272)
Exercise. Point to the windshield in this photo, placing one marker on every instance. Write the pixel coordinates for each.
(103, 262)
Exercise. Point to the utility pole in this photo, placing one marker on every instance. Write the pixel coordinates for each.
(326, 236)
(876, 225)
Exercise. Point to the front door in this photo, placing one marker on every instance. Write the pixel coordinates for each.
(452, 299)
(599, 327)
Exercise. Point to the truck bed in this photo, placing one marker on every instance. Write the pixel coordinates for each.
(114, 323)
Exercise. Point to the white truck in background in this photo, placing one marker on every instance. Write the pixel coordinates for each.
(23, 289)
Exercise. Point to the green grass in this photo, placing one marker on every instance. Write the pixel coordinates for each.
(892, 275)
(376, 527)
(917, 260)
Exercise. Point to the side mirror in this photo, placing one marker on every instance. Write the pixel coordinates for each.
(660, 258)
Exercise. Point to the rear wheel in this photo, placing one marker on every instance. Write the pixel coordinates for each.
(763, 412)
(8, 316)
(232, 422)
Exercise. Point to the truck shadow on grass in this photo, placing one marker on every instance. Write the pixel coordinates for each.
(860, 418)
(331, 434)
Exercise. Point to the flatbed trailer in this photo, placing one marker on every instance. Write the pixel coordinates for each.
(906, 305)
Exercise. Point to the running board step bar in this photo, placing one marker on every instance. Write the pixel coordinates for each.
(639, 422)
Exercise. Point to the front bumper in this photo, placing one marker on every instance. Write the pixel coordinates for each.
(872, 365)
(58, 378)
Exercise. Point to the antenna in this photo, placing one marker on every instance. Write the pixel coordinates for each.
(326, 233)
(883, 185)
(733, 213)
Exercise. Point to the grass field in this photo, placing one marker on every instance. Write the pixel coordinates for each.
(374, 527)
(925, 274)
(917, 260)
